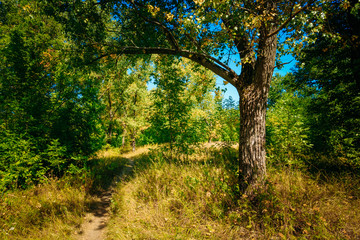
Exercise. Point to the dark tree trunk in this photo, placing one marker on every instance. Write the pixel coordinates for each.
(253, 93)
(133, 135)
(252, 138)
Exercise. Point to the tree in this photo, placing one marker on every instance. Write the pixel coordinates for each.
(287, 132)
(25, 68)
(48, 109)
(183, 103)
(135, 105)
(213, 34)
(329, 72)
(124, 94)
(171, 108)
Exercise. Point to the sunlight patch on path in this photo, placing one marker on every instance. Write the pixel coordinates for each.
(139, 151)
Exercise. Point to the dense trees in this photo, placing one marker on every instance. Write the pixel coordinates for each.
(48, 109)
(314, 113)
(329, 72)
(66, 83)
(287, 123)
(124, 94)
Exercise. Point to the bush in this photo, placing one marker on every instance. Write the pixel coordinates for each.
(19, 163)
(22, 163)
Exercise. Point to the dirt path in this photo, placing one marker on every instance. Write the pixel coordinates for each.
(94, 226)
(96, 220)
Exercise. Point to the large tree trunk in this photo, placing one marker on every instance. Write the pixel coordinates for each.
(253, 93)
(252, 138)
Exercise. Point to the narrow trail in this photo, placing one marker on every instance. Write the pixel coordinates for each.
(95, 222)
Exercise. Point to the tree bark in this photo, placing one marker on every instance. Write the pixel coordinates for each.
(253, 93)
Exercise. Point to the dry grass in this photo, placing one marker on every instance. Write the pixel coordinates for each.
(312, 209)
(165, 205)
(139, 151)
(196, 198)
(50, 211)
(167, 200)
(55, 210)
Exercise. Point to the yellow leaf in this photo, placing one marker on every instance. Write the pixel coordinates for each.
(169, 17)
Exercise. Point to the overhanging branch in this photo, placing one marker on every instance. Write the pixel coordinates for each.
(206, 61)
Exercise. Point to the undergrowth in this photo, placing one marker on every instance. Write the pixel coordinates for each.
(47, 211)
(196, 197)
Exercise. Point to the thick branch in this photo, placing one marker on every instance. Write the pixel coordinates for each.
(208, 62)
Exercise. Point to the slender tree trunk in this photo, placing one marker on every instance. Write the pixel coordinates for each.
(133, 135)
(253, 99)
(111, 116)
(110, 131)
(123, 135)
(133, 141)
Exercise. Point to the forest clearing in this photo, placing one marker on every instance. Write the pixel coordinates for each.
(114, 122)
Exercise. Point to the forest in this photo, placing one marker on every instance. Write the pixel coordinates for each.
(113, 125)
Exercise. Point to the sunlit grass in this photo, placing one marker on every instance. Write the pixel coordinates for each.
(196, 198)
(186, 197)
(49, 211)
(55, 209)
(171, 201)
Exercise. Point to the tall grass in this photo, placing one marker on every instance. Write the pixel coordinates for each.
(197, 197)
(48, 211)
(176, 200)
(55, 209)
(187, 197)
